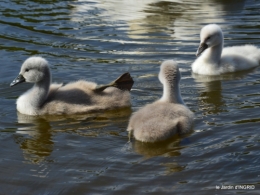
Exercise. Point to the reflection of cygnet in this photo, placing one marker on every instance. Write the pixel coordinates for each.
(167, 116)
(215, 61)
(75, 97)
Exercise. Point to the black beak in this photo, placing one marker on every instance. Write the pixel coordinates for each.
(201, 48)
(17, 80)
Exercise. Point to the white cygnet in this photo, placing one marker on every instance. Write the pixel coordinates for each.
(167, 116)
(213, 60)
(77, 97)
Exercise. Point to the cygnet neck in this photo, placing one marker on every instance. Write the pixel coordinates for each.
(171, 93)
(213, 54)
(40, 90)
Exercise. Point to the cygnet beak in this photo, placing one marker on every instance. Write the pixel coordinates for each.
(201, 48)
(17, 80)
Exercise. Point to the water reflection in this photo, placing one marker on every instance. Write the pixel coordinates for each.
(168, 29)
(35, 134)
(154, 16)
(168, 148)
(211, 99)
(173, 167)
(35, 137)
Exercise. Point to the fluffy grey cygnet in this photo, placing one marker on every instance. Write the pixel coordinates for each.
(45, 98)
(167, 116)
(213, 60)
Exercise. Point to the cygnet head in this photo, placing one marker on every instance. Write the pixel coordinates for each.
(169, 73)
(33, 70)
(210, 36)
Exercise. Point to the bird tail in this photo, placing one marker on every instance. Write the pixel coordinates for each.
(124, 82)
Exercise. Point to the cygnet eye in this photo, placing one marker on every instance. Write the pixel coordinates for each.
(208, 38)
(26, 70)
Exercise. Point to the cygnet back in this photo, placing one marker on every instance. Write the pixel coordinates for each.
(166, 117)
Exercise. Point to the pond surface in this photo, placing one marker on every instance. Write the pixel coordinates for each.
(99, 40)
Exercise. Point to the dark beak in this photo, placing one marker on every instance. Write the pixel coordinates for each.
(17, 80)
(201, 48)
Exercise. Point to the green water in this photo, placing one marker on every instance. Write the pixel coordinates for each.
(99, 40)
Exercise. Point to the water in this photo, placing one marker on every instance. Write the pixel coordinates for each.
(99, 40)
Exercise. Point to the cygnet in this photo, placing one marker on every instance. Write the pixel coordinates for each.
(76, 97)
(214, 60)
(165, 117)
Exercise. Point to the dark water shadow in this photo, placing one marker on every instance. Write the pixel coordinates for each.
(231, 5)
